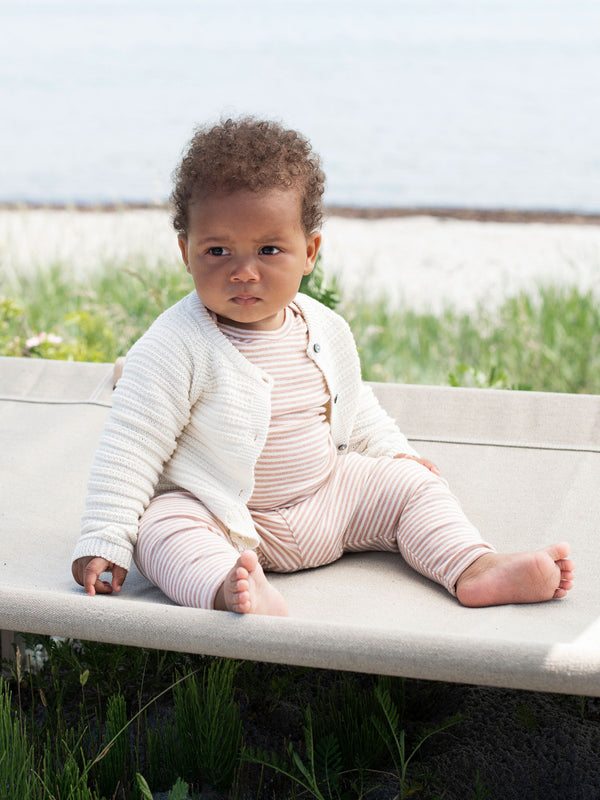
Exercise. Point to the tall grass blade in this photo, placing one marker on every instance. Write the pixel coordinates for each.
(16, 754)
(209, 725)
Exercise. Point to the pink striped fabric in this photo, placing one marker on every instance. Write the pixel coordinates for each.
(388, 504)
(299, 453)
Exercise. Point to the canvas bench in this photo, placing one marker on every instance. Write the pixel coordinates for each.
(526, 467)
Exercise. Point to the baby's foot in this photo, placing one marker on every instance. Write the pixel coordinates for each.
(246, 590)
(496, 579)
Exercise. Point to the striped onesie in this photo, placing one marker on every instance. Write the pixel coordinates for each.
(309, 504)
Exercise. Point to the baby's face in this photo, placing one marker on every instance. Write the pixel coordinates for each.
(247, 253)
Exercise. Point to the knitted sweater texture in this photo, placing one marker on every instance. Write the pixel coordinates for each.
(191, 412)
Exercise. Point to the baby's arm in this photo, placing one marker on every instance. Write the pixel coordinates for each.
(150, 408)
(87, 571)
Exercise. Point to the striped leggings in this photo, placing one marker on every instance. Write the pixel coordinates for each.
(367, 504)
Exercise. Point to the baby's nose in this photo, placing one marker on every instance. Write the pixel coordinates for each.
(246, 270)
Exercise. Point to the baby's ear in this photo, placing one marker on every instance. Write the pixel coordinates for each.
(183, 246)
(313, 244)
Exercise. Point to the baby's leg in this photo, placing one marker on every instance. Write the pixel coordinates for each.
(437, 539)
(403, 506)
(402, 500)
(182, 549)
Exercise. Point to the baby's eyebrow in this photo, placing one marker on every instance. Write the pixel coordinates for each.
(273, 236)
(213, 241)
(213, 238)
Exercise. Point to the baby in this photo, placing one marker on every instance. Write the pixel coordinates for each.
(241, 438)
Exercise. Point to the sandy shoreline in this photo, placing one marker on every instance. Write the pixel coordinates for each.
(353, 212)
(424, 260)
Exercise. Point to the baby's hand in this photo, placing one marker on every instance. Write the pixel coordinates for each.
(87, 571)
(424, 461)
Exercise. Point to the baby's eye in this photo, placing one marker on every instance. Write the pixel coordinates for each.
(269, 250)
(217, 251)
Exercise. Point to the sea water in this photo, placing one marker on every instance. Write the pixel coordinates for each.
(478, 103)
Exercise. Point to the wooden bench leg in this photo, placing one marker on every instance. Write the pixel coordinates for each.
(8, 640)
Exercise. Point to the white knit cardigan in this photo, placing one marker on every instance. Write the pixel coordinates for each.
(191, 412)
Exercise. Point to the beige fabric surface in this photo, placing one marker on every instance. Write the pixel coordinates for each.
(526, 467)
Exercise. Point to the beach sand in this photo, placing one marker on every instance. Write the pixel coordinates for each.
(424, 262)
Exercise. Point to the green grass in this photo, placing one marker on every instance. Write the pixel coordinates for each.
(98, 721)
(105, 722)
(546, 342)
(98, 318)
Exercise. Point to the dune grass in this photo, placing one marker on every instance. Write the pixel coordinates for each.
(546, 342)
(550, 342)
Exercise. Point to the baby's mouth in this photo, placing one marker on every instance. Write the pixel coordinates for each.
(245, 300)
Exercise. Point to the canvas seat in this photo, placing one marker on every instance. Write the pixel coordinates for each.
(525, 465)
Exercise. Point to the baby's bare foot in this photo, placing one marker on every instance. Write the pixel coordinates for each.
(496, 579)
(246, 590)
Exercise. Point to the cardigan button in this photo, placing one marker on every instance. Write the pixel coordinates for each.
(317, 347)
(342, 446)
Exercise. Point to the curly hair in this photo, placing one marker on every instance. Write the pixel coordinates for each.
(248, 154)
